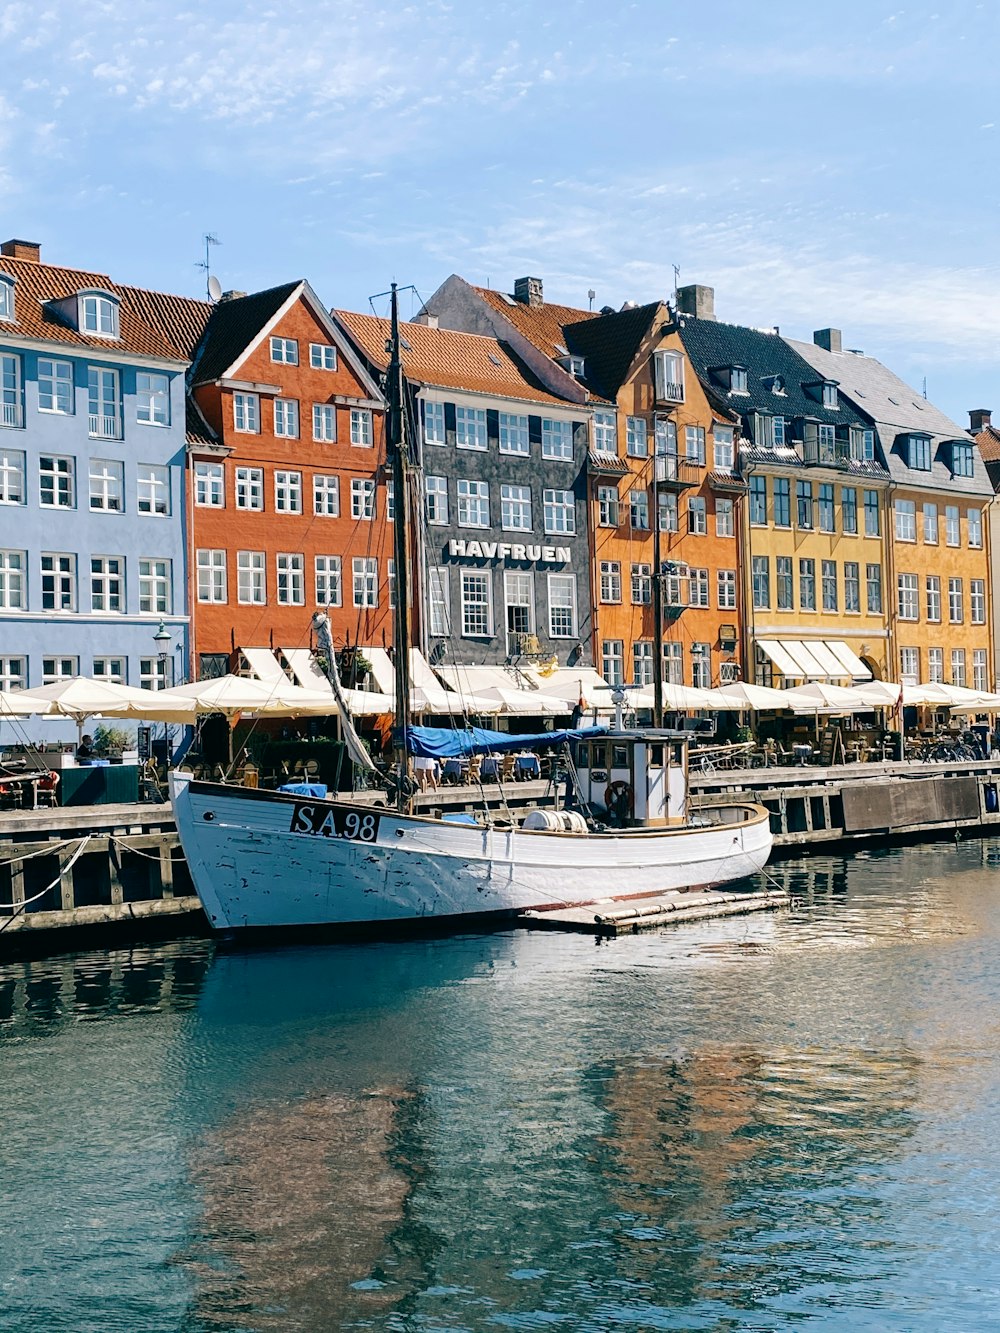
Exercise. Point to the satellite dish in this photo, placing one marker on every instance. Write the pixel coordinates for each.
(214, 288)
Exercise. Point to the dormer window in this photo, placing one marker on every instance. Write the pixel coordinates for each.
(733, 378)
(829, 394)
(98, 314)
(573, 364)
(962, 459)
(6, 297)
(778, 432)
(919, 452)
(775, 384)
(823, 391)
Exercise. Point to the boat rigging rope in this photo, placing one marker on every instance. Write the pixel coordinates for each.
(64, 870)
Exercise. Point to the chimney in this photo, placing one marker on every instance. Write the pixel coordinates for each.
(831, 339)
(30, 250)
(696, 300)
(231, 296)
(431, 321)
(979, 419)
(528, 291)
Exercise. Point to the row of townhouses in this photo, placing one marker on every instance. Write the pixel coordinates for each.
(181, 481)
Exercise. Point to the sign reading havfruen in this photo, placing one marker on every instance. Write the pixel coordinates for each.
(548, 555)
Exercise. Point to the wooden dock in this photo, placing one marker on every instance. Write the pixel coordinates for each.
(653, 911)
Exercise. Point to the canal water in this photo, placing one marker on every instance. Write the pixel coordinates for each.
(762, 1123)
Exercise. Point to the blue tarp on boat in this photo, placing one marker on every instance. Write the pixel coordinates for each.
(447, 743)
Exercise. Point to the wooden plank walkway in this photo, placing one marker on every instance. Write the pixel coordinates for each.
(658, 909)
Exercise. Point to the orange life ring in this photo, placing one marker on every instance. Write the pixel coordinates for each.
(619, 794)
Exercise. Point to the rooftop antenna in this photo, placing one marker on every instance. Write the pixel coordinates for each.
(925, 388)
(590, 297)
(677, 281)
(210, 239)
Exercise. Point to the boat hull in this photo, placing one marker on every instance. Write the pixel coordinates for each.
(262, 860)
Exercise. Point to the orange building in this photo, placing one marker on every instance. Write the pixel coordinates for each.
(287, 488)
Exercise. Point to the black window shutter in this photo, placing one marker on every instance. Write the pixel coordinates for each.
(535, 430)
(492, 426)
(449, 424)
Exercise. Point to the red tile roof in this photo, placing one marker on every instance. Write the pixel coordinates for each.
(150, 323)
(988, 440)
(450, 360)
(541, 324)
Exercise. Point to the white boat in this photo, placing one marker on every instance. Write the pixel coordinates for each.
(263, 860)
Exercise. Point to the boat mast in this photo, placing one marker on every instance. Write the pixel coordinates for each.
(396, 452)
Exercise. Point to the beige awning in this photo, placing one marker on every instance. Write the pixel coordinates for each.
(303, 667)
(263, 663)
(815, 659)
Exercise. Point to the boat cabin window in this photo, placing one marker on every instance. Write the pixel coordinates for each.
(678, 754)
(619, 756)
(583, 757)
(656, 756)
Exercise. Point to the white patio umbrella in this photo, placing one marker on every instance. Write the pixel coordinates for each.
(20, 703)
(80, 698)
(820, 697)
(523, 703)
(743, 697)
(367, 703)
(239, 694)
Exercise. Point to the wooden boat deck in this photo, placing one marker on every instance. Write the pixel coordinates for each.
(658, 909)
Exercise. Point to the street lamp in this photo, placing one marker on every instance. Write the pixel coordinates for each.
(163, 639)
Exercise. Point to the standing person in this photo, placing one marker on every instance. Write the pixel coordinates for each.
(426, 772)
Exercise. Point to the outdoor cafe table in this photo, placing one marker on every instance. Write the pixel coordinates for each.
(528, 766)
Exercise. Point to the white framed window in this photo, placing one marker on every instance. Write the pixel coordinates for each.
(363, 498)
(246, 413)
(519, 601)
(909, 665)
(285, 351)
(437, 595)
(638, 506)
(107, 485)
(872, 524)
(58, 581)
(723, 448)
(958, 667)
(13, 565)
(251, 578)
(668, 511)
(209, 485)
(99, 314)
(701, 666)
(287, 492)
(211, 564)
(104, 403)
(935, 665)
(390, 499)
(557, 439)
(152, 488)
(326, 496)
(758, 500)
(152, 398)
(784, 583)
(562, 606)
(725, 525)
(322, 356)
(328, 587)
(807, 585)
(12, 477)
(434, 430)
(110, 669)
(250, 488)
(956, 602)
(473, 503)
(613, 661)
(470, 428)
(605, 432)
(559, 508)
(980, 677)
(673, 663)
(642, 662)
(698, 584)
(828, 576)
(952, 525)
(55, 386)
(642, 585)
(513, 431)
(153, 673)
(974, 523)
(930, 524)
(14, 672)
(697, 515)
(694, 444)
(365, 581)
(155, 594)
(668, 375)
(286, 418)
(611, 581)
(906, 520)
(726, 589)
(906, 596)
(477, 604)
(636, 439)
(977, 601)
(515, 508)
(325, 423)
(436, 491)
(11, 397)
(56, 482)
(962, 459)
(607, 506)
(55, 669)
(107, 583)
(873, 586)
(291, 578)
(361, 427)
(932, 588)
(6, 300)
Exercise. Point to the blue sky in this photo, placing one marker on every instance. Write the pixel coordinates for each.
(817, 163)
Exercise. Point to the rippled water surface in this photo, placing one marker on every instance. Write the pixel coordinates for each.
(763, 1123)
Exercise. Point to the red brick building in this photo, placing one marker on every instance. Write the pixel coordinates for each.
(287, 484)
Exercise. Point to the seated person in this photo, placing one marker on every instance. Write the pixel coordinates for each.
(85, 750)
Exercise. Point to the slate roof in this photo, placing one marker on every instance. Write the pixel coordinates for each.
(898, 411)
(233, 326)
(450, 360)
(149, 323)
(608, 344)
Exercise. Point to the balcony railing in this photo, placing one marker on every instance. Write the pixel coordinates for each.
(11, 415)
(105, 428)
(678, 473)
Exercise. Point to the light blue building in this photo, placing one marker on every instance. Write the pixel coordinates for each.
(93, 534)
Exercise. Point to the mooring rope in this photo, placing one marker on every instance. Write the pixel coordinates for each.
(34, 899)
